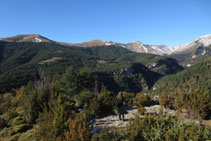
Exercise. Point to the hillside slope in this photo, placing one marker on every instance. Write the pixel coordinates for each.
(192, 56)
(21, 62)
(196, 76)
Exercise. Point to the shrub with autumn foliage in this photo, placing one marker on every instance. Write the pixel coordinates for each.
(129, 98)
(79, 129)
(197, 103)
(165, 128)
(141, 100)
(7, 102)
(166, 100)
(102, 104)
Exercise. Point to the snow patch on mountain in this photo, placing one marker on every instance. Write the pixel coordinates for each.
(161, 49)
(204, 52)
(188, 65)
(146, 51)
(201, 42)
(194, 56)
(37, 39)
(204, 40)
(108, 44)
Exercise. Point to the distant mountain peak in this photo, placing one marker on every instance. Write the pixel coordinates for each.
(137, 42)
(26, 38)
(201, 42)
(206, 36)
(204, 40)
(92, 43)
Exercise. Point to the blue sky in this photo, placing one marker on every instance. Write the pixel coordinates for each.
(169, 22)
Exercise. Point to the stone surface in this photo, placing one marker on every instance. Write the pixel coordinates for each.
(113, 120)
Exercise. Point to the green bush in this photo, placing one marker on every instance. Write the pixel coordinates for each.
(15, 137)
(141, 110)
(129, 99)
(79, 129)
(29, 135)
(7, 102)
(197, 103)
(17, 121)
(20, 128)
(142, 100)
(2, 123)
(63, 112)
(73, 82)
(44, 125)
(102, 104)
(83, 99)
(107, 135)
(166, 100)
(166, 128)
(10, 115)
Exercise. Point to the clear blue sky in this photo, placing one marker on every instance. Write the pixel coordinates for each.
(169, 22)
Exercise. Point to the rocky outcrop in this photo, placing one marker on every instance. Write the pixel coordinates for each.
(113, 120)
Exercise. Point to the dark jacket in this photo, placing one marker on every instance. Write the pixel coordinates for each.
(119, 102)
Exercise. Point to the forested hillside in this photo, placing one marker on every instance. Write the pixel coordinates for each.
(191, 78)
(66, 109)
(21, 62)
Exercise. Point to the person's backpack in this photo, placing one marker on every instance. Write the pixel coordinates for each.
(119, 102)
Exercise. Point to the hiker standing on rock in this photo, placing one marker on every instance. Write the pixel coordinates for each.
(120, 102)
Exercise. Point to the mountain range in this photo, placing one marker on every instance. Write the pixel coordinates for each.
(186, 54)
(35, 58)
(136, 46)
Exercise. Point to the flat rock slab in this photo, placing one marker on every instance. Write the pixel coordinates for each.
(113, 120)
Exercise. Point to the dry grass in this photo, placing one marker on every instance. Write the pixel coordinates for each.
(207, 123)
(54, 59)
